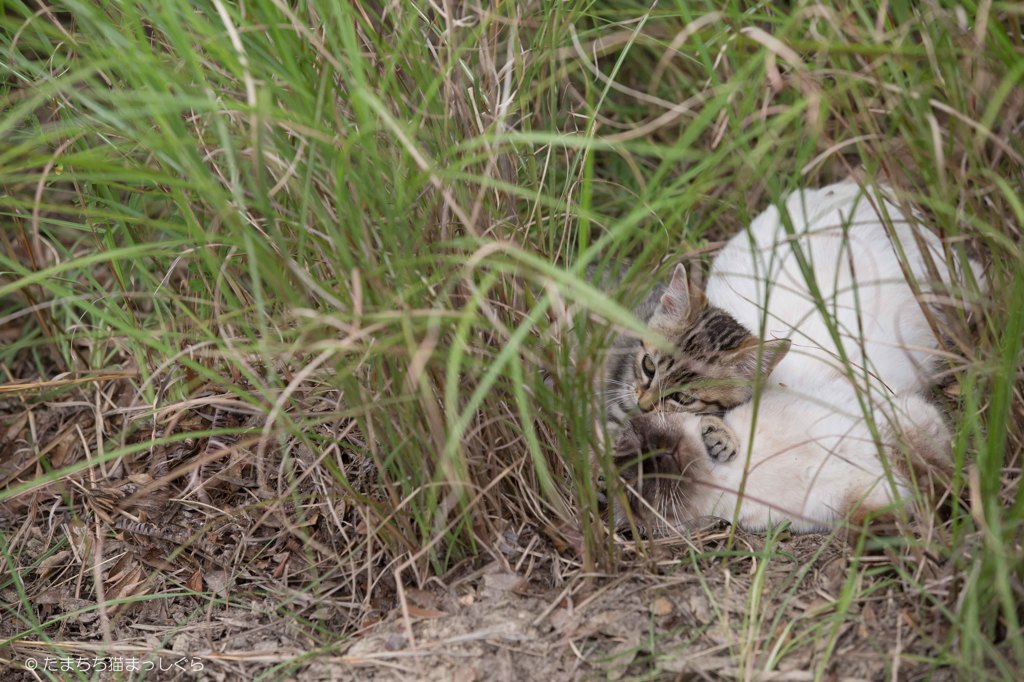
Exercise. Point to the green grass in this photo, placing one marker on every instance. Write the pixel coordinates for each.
(345, 223)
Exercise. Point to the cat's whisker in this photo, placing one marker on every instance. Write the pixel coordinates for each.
(619, 398)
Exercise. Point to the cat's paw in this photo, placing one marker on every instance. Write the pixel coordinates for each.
(718, 439)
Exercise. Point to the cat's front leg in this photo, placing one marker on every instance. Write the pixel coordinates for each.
(718, 439)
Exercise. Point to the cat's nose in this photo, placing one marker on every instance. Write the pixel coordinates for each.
(646, 401)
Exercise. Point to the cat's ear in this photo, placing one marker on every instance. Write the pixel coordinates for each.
(754, 361)
(682, 297)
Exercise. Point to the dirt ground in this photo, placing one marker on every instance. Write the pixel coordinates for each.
(696, 622)
(703, 607)
(221, 579)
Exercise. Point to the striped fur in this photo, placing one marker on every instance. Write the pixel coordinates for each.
(712, 367)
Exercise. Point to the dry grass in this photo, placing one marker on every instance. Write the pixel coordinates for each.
(281, 285)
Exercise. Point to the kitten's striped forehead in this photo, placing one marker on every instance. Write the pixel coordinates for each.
(700, 374)
(681, 369)
(711, 334)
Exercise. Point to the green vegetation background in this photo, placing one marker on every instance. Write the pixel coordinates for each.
(273, 201)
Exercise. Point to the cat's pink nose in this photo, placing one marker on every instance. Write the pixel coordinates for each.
(645, 401)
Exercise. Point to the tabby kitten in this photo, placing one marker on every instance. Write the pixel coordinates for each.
(712, 366)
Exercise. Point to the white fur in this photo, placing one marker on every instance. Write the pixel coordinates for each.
(811, 449)
(814, 459)
(858, 272)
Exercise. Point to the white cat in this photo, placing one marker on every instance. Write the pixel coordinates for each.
(818, 443)
(862, 297)
(812, 462)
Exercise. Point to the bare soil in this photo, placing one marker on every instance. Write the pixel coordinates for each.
(265, 588)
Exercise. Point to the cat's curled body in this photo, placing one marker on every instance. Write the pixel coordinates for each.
(813, 461)
(813, 454)
(859, 271)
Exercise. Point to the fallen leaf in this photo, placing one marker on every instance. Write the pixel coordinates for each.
(47, 565)
(125, 584)
(46, 598)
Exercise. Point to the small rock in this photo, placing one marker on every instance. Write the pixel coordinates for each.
(662, 606)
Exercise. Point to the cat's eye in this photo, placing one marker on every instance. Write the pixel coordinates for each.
(682, 398)
(648, 366)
